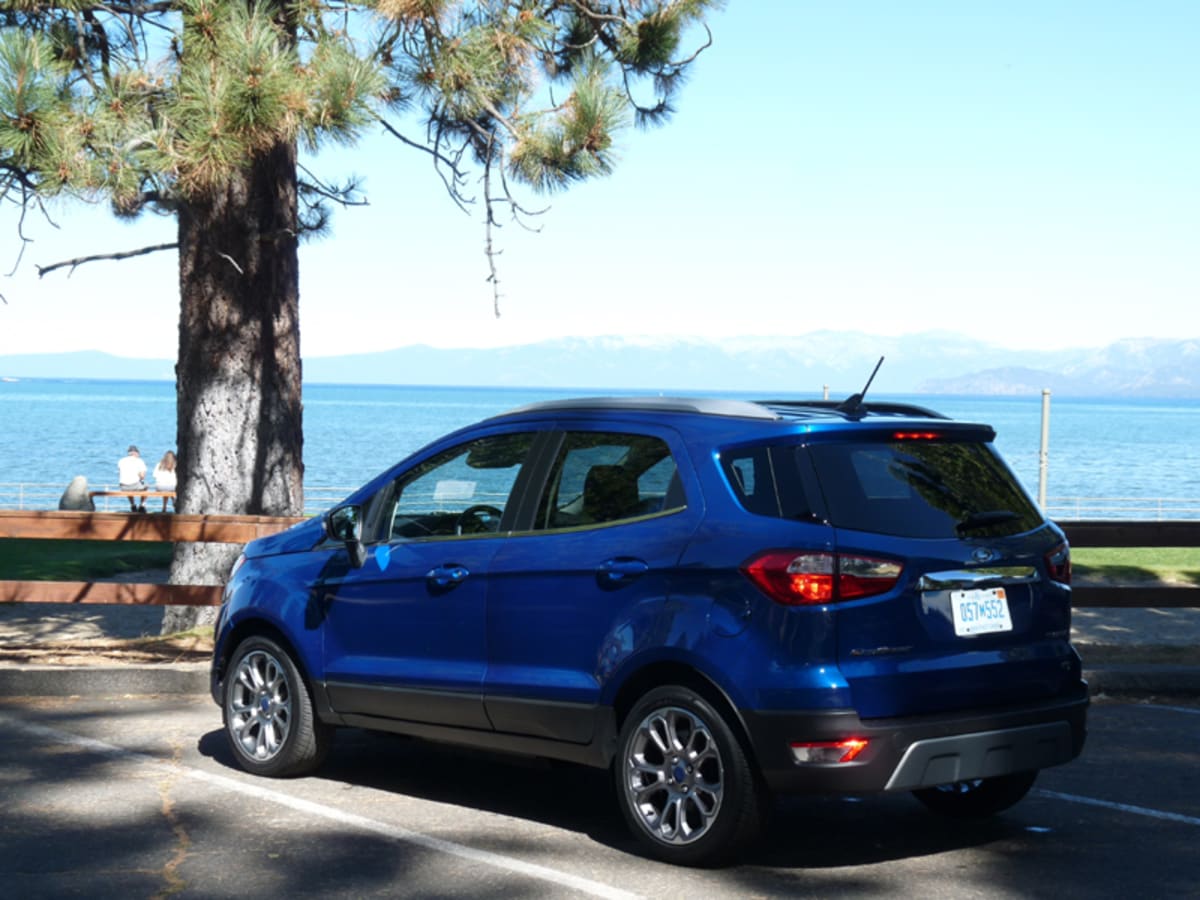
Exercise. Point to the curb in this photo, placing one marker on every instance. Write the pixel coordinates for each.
(94, 681)
(192, 678)
(1143, 680)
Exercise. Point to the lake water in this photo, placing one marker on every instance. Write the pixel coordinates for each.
(52, 430)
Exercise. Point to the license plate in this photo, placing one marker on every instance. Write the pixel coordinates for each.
(980, 612)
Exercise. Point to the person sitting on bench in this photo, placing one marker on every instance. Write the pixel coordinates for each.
(164, 475)
(131, 475)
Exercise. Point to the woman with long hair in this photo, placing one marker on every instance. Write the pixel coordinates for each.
(164, 475)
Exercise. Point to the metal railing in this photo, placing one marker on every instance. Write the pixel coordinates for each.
(21, 496)
(26, 496)
(1141, 508)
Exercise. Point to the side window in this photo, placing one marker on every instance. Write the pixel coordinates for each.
(602, 477)
(464, 490)
(750, 475)
(767, 481)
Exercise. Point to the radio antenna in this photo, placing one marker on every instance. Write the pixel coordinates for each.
(852, 405)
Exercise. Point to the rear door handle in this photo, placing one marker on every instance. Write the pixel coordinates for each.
(447, 576)
(620, 570)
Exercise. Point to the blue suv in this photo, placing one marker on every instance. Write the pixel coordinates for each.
(713, 599)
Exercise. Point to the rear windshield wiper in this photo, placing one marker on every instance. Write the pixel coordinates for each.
(986, 518)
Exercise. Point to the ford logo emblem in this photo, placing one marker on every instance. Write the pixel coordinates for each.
(983, 555)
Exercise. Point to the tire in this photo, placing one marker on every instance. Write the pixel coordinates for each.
(683, 781)
(268, 713)
(977, 799)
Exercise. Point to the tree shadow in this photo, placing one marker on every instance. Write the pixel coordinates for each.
(838, 832)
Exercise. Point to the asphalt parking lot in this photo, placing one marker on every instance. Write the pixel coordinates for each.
(138, 797)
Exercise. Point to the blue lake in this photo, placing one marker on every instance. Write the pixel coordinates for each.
(51, 431)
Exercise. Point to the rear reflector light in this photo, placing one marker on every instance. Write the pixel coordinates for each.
(800, 579)
(1058, 564)
(828, 751)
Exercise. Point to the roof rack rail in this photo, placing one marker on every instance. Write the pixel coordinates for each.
(743, 409)
(874, 408)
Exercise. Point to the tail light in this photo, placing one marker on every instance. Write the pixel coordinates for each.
(801, 579)
(1058, 564)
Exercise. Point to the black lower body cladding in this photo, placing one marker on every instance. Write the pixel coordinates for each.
(920, 751)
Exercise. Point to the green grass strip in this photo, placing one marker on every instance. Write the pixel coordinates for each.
(1138, 565)
(30, 559)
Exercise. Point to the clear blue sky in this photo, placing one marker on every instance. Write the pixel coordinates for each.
(1026, 172)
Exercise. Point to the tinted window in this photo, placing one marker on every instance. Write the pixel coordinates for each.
(606, 477)
(461, 491)
(749, 474)
(924, 489)
(767, 482)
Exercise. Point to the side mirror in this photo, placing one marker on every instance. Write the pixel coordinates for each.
(345, 524)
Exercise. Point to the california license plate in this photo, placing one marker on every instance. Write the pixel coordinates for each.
(980, 612)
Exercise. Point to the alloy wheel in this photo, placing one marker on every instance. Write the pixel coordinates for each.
(259, 705)
(674, 775)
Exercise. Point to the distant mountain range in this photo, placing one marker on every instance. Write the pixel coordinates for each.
(928, 363)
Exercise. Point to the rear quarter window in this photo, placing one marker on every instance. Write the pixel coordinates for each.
(766, 481)
(749, 475)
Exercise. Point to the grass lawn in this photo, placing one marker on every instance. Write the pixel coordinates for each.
(29, 559)
(1137, 565)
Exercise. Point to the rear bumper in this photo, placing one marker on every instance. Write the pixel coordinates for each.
(919, 751)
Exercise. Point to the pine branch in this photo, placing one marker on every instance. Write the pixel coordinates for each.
(342, 195)
(456, 179)
(595, 15)
(73, 264)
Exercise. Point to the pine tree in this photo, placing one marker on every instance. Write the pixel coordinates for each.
(198, 109)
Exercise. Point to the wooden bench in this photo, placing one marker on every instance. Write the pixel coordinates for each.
(141, 496)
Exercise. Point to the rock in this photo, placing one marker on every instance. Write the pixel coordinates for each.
(76, 496)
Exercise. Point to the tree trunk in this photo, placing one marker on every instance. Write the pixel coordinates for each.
(238, 400)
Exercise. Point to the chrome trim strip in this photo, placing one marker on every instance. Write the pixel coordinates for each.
(966, 579)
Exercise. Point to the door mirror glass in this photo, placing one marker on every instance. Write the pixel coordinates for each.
(344, 524)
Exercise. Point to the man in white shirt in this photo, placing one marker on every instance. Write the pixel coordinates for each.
(131, 473)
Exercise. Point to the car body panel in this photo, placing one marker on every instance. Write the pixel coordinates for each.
(901, 655)
(402, 642)
(565, 611)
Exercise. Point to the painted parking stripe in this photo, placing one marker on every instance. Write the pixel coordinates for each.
(1121, 807)
(394, 832)
(1192, 711)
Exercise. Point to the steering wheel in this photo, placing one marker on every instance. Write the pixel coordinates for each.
(479, 514)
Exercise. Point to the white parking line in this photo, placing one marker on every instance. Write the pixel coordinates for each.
(1192, 711)
(497, 860)
(1121, 807)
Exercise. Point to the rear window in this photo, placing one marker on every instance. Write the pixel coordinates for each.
(921, 489)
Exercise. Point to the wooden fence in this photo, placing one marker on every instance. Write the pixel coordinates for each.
(1123, 533)
(127, 527)
(239, 529)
